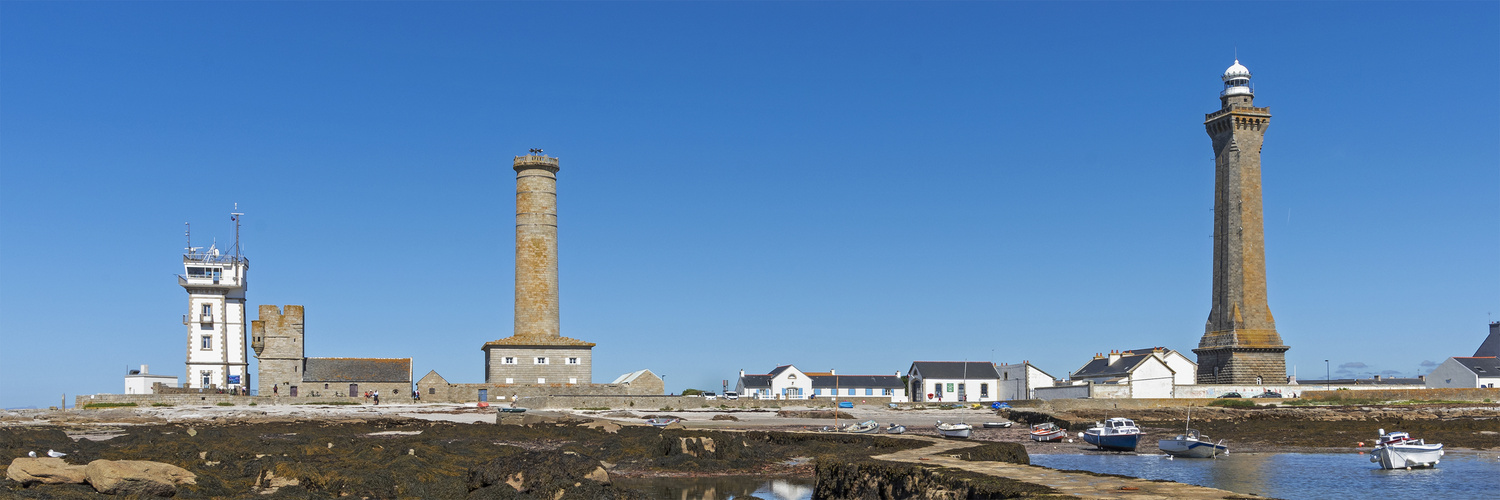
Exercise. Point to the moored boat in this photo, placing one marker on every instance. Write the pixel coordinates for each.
(662, 422)
(1397, 450)
(1115, 434)
(1192, 444)
(895, 428)
(998, 425)
(959, 430)
(865, 427)
(1047, 431)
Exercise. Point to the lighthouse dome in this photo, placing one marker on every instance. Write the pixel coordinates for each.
(1237, 72)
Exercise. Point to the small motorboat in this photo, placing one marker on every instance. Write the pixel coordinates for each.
(998, 425)
(1192, 445)
(1115, 434)
(1397, 450)
(662, 422)
(865, 427)
(846, 404)
(959, 430)
(512, 410)
(1047, 432)
(895, 429)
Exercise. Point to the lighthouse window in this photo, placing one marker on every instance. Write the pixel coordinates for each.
(208, 342)
(572, 361)
(510, 360)
(541, 360)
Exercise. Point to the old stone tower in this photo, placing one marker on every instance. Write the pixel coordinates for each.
(536, 352)
(277, 338)
(1240, 344)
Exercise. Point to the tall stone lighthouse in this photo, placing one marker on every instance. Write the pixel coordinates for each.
(536, 352)
(1240, 344)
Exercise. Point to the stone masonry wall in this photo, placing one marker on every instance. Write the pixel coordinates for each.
(536, 247)
(526, 371)
(279, 337)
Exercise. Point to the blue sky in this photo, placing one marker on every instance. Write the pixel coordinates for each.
(835, 185)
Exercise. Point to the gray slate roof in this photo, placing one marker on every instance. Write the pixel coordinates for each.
(1103, 368)
(1491, 344)
(860, 381)
(357, 370)
(757, 381)
(1363, 381)
(1487, 366)
(955, 369)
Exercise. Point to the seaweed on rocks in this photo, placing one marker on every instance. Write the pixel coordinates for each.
(1014, 453)
(863, 479)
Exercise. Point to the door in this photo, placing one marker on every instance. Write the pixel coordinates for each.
(484, 394)
(294, 391)
(354, 390)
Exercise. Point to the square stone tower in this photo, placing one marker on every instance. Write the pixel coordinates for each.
(536, 352)
(1240, 344)
(277, 338)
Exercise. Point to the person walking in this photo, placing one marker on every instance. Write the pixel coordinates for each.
(377, 397)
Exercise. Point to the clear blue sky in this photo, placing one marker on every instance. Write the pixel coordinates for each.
(834, 185)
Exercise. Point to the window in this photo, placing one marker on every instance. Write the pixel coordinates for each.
(205, 326)
(510, 381)
(869, 391)
(207, 378)
(207, 342)
(572, 361)
(572, 380)
(325, 386)
(208, 310)
(541, 380)
(817, 392)
(509, 360)
(984, 390)
(885, 392)
(432, 390)
(851, 392)
(541, 360)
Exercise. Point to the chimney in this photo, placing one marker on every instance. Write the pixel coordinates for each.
(742, 373)
(1114, 355)
(1377, 378)
(1422, 378)
(143, 369)
(831, 372)
(1098, 356)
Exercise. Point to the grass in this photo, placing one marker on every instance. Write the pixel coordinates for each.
(335, 403)
(1233, 403)
(108, 405)
(225, 403)
(161, 404)
(1370, 401)
(594, 408)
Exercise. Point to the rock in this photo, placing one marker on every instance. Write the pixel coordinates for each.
(135, 477)
(599, 474)
(674, 425)
(45, 471)
(604, 425)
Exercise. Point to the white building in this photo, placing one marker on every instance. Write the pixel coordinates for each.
(1141, 373)
(787, 382)
(1467, 373)
(141, 381)
(953, 381)
(1184, 369)
(784, 382)
(1020, 381)
(216, 350)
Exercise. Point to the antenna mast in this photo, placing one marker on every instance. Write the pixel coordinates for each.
(189, 234)
(235, 216)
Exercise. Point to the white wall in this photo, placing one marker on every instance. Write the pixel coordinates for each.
(1151, 379)
(972, 389)
(1186, 370)
(1061, 392)
(1453, 375)
(141, 384)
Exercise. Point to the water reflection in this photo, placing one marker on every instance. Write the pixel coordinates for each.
(1461, 474)
(722, 488)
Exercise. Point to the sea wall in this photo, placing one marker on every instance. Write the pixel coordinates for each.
(83, 401)
(1409, 394)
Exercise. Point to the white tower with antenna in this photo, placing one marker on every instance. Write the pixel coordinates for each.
(215, 281)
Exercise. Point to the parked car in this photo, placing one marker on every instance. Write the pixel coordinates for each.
(1268, 394)
(710, 396)
(1230, 395)
(731, 395)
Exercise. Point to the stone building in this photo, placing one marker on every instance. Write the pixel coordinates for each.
(285, 369)
(536, 352)
(1240, 344)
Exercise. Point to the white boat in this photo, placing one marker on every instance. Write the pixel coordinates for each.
(895, 428)
(958, 430)
(1192, 445)
(1048, 431)
(865, 427)
(998, 425)
(1114, 434)
(662, 422)
(1397, 450)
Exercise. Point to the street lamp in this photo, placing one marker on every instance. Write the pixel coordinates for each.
(1327, 375)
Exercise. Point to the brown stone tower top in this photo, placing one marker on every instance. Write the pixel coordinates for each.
(536, 320)
(1240, 343)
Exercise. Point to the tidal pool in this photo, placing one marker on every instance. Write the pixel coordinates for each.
(1295, 476)
(722, 487)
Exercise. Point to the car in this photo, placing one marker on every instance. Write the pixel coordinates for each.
(1230, 395)
(709, 396)
(731, 395)
(1268, 394)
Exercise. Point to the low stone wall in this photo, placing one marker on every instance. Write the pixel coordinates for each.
(655, 403)
(1409, 394)
(495, 393)
(147, 400)
(1124, 403)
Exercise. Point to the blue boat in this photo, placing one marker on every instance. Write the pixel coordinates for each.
(1115, 434)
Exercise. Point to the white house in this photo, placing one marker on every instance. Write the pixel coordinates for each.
(784, 382)
(953, 381)
(142, 382)
(787, 382)
(1468, 373)
(1020, 380)
(1144, 373)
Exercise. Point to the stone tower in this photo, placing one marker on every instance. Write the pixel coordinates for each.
(277, 338)
(1240, 344)
(536, 352)
(216, 284)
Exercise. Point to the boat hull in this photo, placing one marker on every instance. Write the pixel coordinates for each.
(1044, 437)
(956, 432)
(1113, 442)
(897, 429)
(1407, 456)
(1191, 448)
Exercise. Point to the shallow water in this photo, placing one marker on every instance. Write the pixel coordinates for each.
(1294, 476)
(722, 488)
